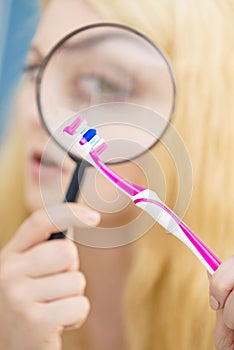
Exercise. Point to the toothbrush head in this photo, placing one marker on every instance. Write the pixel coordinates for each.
(87, 138)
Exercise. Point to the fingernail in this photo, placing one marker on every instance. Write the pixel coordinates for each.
(214, 304)
(93, 216)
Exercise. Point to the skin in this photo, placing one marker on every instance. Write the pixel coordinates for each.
(40, 298)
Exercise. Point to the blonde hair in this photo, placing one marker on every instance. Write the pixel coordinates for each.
(12, 206)
(166, 304)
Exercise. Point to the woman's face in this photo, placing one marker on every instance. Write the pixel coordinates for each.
(59, 18)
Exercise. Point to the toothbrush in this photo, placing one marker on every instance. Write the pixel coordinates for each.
(89, 146)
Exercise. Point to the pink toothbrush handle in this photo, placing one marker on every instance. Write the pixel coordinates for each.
(206, 256)
(206, 253)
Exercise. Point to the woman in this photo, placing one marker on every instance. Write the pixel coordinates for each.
(157, 297)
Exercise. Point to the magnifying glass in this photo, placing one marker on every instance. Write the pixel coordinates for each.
(119, 79)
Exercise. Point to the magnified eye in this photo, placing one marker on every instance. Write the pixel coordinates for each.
(86, 84)
(98, 85)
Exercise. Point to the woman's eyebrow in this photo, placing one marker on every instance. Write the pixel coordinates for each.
(102, 37)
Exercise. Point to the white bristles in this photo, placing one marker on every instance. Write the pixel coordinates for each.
(83, 131)
(97, 144)
(94, 140)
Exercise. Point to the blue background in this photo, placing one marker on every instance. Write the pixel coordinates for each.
(18, 21)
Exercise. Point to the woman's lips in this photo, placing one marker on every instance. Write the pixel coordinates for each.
(43, 166)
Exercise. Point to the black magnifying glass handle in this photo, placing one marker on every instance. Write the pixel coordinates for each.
(72, 193)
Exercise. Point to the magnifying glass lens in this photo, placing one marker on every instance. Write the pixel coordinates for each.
(116, 77)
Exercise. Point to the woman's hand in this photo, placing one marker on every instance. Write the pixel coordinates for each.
(222, 300)
(41, 288)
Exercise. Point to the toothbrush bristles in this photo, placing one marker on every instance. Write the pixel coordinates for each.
(87, 135)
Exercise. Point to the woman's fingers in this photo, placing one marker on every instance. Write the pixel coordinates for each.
(40, 287)
(222, 300)
(39, 226)
(45, 259)
(228, 312)
(223, 336)
(221, 284)
(66, 312)
(49, 258)
(61, 286)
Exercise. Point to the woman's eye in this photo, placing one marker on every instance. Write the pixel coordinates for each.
(95, 85)
(107, 87)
